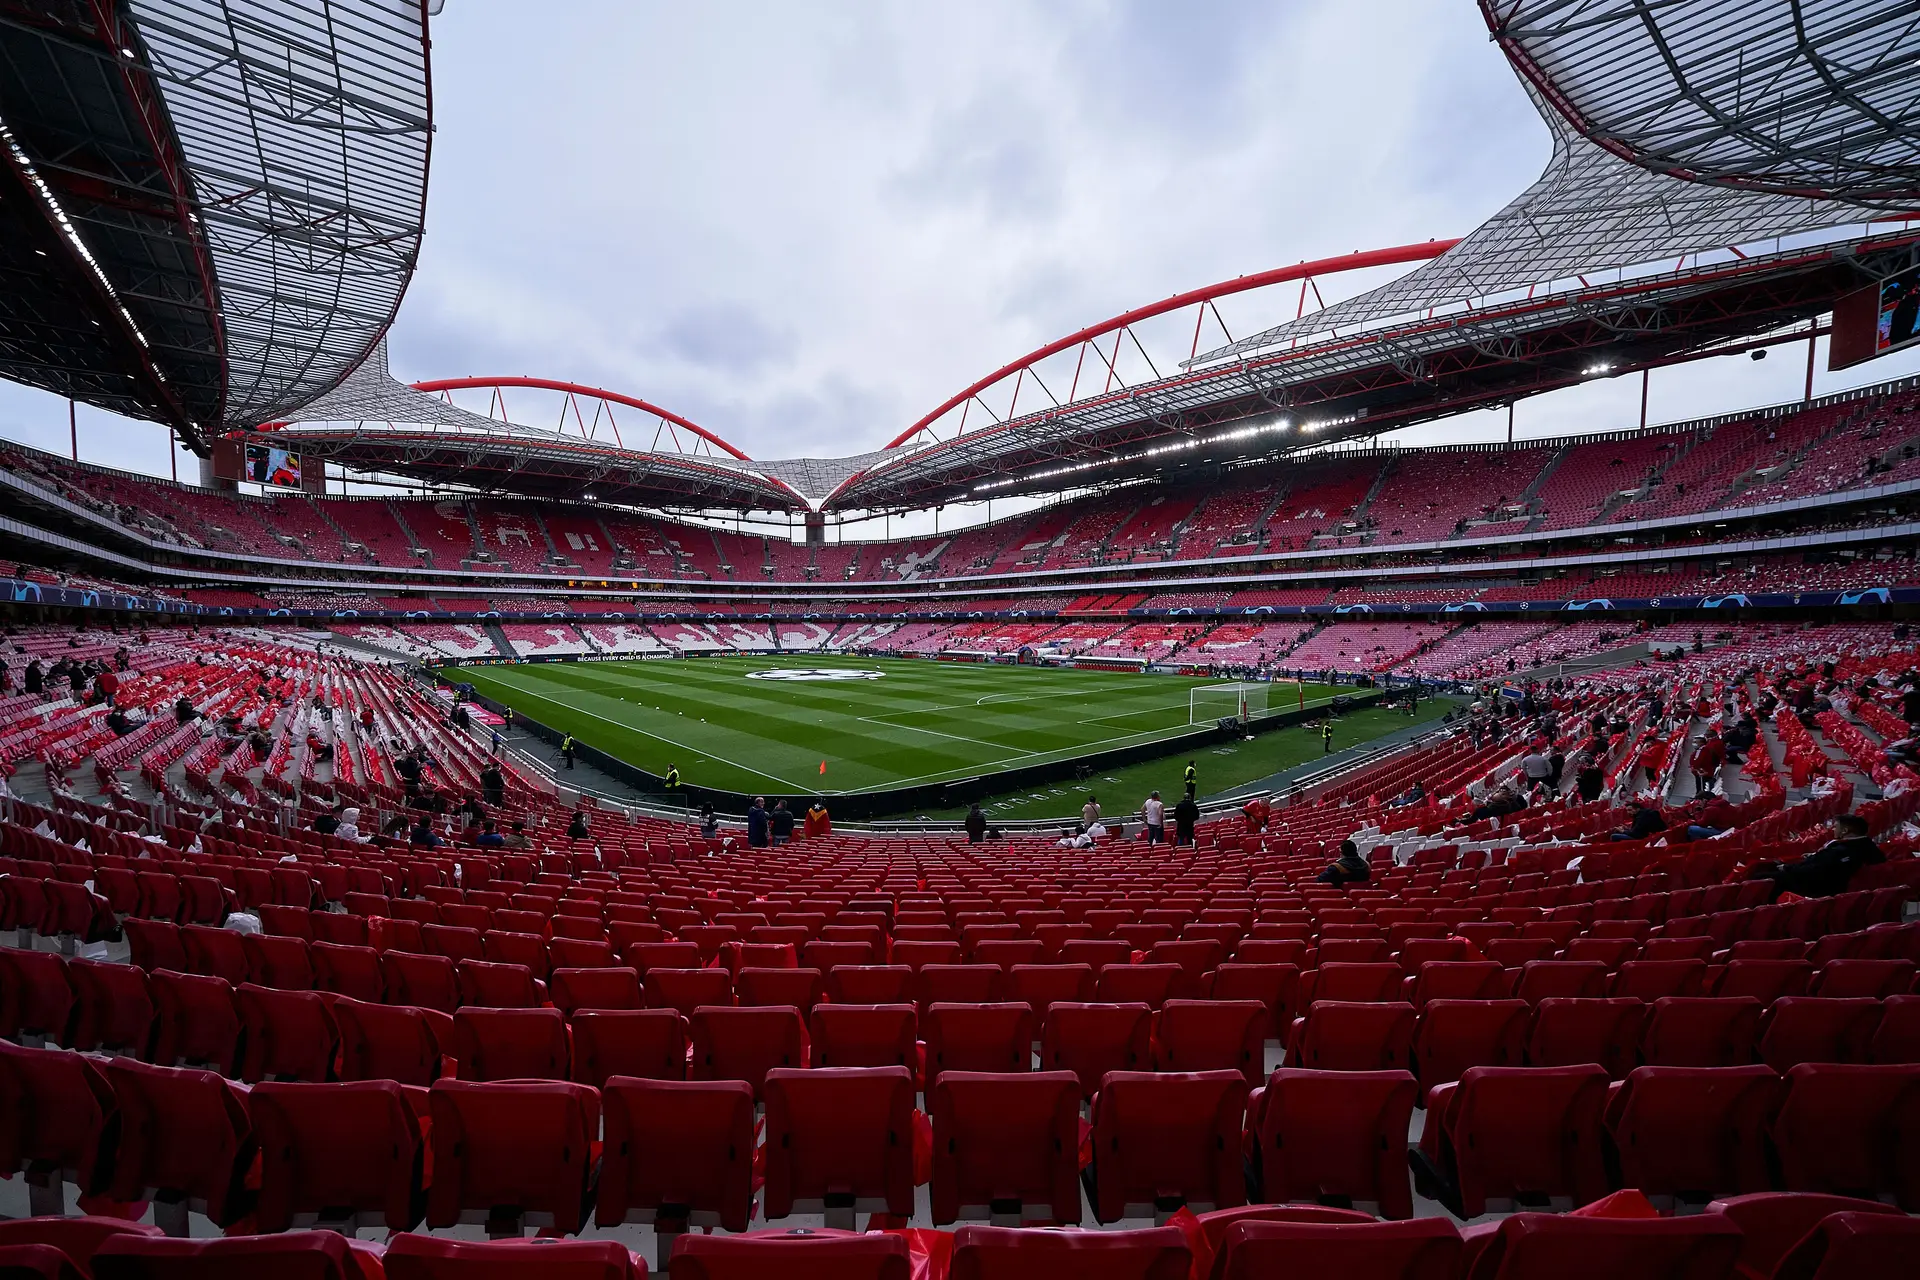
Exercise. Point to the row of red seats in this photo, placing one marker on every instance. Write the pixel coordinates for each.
(1787, 1237)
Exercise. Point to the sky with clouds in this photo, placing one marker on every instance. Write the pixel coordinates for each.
(803, 225)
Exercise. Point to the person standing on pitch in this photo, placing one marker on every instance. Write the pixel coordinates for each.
(1326, 737)
(566, 749)
(1191, 776)
(1155, 814)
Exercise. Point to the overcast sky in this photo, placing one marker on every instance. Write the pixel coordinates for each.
(803, 225)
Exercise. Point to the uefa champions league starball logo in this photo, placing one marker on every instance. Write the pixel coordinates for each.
(816, 673)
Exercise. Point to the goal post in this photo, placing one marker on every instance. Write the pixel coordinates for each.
(1237, 700)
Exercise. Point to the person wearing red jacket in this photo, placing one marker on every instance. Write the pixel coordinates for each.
(1707, 759)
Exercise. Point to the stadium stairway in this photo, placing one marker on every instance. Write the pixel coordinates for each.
(413, 539)
(499, 638)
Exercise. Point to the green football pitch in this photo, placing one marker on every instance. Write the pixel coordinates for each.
(768, 723)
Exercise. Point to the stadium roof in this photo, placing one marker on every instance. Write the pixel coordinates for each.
(209, 209)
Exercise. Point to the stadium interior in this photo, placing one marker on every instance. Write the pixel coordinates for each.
(1270, 850)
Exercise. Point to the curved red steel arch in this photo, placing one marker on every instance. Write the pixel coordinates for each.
(574, 388)
(1356, 261)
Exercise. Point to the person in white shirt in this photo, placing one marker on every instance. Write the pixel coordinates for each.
(1155, 813)
(1089, 812)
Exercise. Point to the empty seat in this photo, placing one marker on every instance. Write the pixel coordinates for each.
(1458, 980)
(112, 1008)
(792, 1255)
(343, 1156)
(957, 984)
(76, 1239)
(1764, 980)
(839, 1142)
(1453, 1035)
(290, 1035)
(1006, 1146)
(870, 984)
(1695, 1132)
(278, 962)
(1422, 1249)
(195, 1022)
(684, 990)
(1564, 979)
(615, 988)
(527, 949)
(512, 1153)
(510, 1044)
(1274, 985)
(876, 1035)
(215, 953)
(421, 1257)
(1876, 979)
(678, 1154)
(1797, 1029)
(185, 1141)
(426, 982)
(1652, 979)
(388, 1042)
(297, 1255)
(1854, 1245)
(1039, 986)
(1773, 1222)
(1851, 1130)
(1355, 983)
(57, 1123)
(1148, 984)
(1702, 1031)
(1209, 1035)
(36, 999)
(1550, 1246)
(1898, 1037)
(1338, 1035)
(978, 1037)
(154, 945)
(1507, 1132)
(647, 1043)
(744, 1044)
(498, 986)
(799, 988)
(1336, 1134)
(1163, 1141)
(1004, 1253)
(1567, 1033)
(1093, 1039)
(347, 971)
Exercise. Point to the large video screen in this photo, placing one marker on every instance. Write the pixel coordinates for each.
(268, 465)
(1897, 323)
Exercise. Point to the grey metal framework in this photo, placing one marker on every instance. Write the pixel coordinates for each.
(212, 207)
(1800, 97)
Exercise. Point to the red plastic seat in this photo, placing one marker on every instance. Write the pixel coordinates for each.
(678, 1154)
(870, 984)
(873, 1035)
(1422, 1249)
(1093, 1039)
(1160, 1141)
(1764, 980)
(977, 1037)
(56, 1122)
(1703, 1031)
(1694, 1132)
(684, 990)
(1211, 1035)
(1653, 979)
(615, 988)
(1457, 980)
(185, 1139)
(1196, 957)
(799, 988)
(112, 1008)
(513, 1153)
(1558, 1246)
(1148, 984)
(1453, 1035)
(1874, 979)
(1007, 1253)
(525, 949)
(36, 999)
(510, 1044)
(1274, 985)
(389, 1042)
(452, 942)
(649, 1044)
(1354, 983)
(277, 962)
(297, 1255)
(339, 1155)
(1798, 1029)
(420, 1257)
(1773, 1222)
(957, 984)
(1039, 986)
(195, 1022)
(744, 1044)
(1898, 1037)
(153, 944)
(497, 986)
(289, 1035)
(1338, 1035)
(1851, 1130)
(1336, 1134)
(792, 1255)
(1854, 1246)
(1567, 1033)
(1006, 1146)
(347, 971)
(1505, 1132)
(76, 1239)
(426, 982)
(839, 1142)
(344, 931)
(1562, 979)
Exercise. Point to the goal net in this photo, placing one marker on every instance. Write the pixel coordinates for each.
(1238, 700)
